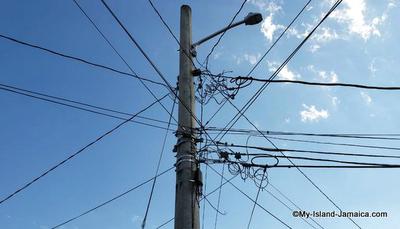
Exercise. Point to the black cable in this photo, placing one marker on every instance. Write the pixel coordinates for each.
(170, 30)
(80, 60)
(155, 68)
(208, 194)
(336, 144)
(111, 200)
(265, 85)
(266, 53)
(85, 109)
(262, 88)
(290, 209)
(380, 136)
(158, 166)
(251, 199)
(362, 86)
(18, 90)
(292, 202)
(120, 56)
(276, 41)
(219, 197)
(76, 153)
(220, 37)
(308, 151)
(255, 202)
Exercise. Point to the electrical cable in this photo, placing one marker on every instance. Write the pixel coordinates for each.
(270, 48)
(158, 167)
(53, 99)
(47, 171)
(362, 86)
(251, 101)
(80, 60)
(110, 200)
(208, 194)
(123, 60)
(248, 197)
(220, 37)
(255, 202)
(219, 197)
(294, 204)
(307, 151)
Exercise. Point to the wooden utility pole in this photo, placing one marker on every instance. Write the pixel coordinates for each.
(187, 172)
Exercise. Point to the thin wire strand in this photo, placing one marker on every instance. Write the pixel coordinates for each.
(251, 199)
(79, 59)
(111, 200)
(255, 202)
(123, 60)
(220, 37)
(53, 99)
(158, 167)
(76, 153)
(292, 202)
(219, 198)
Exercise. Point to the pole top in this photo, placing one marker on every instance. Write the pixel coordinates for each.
(185, 7)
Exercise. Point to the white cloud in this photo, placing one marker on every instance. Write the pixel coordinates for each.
(314, 48)
(270, 6)
(324, 76)
(268, 28)
(252, 59)
(312, 114)
(325, 34)
(354, 16)
(285, 73)
(367, 99)
(335, 100)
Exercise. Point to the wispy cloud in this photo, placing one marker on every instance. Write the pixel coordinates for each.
(367, 99)
(354, 15)
(268, 28)
(285, 73)
(252, 59)
(324, 76)
(312, 114)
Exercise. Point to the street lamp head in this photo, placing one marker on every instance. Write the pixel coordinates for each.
(253, 18)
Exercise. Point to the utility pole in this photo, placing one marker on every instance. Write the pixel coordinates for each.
(188, 175)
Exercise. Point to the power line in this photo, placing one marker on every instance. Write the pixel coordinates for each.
(262, 88)
(111, 200)
(351, 85)
(373, 136)
(51, 99)
(308, 151)
(336, 144)
(208, 194)
(79, 59)
(47, 171)
(248, 197)
(164, 22)
(154, 67)
(220, 37)
(158, 166)
(120, 56)
(294, 204)
(255, 202)
(219, 198)
(267, 52)
(290, 209)
(247, 105)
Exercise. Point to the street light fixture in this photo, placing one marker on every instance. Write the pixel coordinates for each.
(250, 19)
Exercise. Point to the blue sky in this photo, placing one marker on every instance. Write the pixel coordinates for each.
(357, 44)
